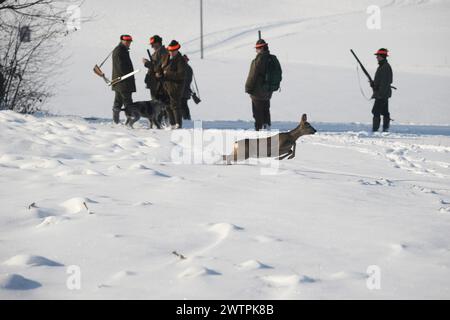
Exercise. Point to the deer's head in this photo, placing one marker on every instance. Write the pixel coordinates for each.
(305, 127)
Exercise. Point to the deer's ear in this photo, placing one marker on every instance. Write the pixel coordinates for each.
(304, 118)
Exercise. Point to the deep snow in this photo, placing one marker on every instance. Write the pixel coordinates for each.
(114, 203)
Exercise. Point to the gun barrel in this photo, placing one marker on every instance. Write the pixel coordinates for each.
(362, 66)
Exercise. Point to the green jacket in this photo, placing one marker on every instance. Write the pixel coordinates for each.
(383, 81)
(255, 80)
(154, 66)
(122, 65)
(174, 70)
(187, 93)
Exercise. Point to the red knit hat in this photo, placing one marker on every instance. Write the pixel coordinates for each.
(261, 44)
(126, 37)
(173, 46)
(382, 52)
(155, 39)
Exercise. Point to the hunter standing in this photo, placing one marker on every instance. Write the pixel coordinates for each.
(259, 87)
(153, 82)
(187, 94)
(382, 91)
(122, 65)
(173, 75)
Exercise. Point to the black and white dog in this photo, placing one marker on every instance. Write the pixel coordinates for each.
(154, 111)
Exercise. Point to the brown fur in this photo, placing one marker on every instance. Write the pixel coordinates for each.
(280, 146)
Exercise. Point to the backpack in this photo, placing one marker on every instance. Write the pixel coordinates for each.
(274, 74)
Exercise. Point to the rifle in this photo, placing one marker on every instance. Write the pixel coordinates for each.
(372, 83)
(363, 68)
(98, 71)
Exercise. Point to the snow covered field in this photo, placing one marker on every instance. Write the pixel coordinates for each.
(79, 194)
(309, 229)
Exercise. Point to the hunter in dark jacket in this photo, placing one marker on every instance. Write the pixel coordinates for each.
(187, 94)
(174, 74)
(255, 87)
(122, 65)
(154, 67)
(382, 91)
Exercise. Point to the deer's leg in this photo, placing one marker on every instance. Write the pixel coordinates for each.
(285, 156)
(293, 152)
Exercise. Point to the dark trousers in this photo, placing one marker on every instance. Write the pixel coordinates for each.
(381, 108)
(175, 112)
(261, 113)
(121, 99)
(185, 109)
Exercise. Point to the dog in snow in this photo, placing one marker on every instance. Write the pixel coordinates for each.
(153, 110)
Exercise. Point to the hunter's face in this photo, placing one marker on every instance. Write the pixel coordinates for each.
(127, 43)
(380, 57)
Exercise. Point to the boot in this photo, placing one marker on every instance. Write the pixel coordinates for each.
(179, 118)
(386, 123)
(116, 115)
(376, 124)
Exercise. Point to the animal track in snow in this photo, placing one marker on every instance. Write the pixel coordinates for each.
(378, 182)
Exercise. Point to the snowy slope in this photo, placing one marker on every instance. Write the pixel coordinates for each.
(311, 38)
(117, 203)
(114, 203)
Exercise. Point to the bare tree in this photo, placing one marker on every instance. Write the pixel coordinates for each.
(31, 36)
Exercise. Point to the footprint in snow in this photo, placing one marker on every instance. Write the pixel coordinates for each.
(251, 265)
(288, 280)
(141, 166)
(42, 213)
(223, 231)
(17, 282)
(25, 260)
(196, 272)
(77, 205)
(78, 172)
(51, 220)
(379, 182)
(143, 204)
(118, 277)
(444, 210)
(267, 239)
(345, 275)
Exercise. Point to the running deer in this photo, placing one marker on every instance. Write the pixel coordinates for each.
(280, 146)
